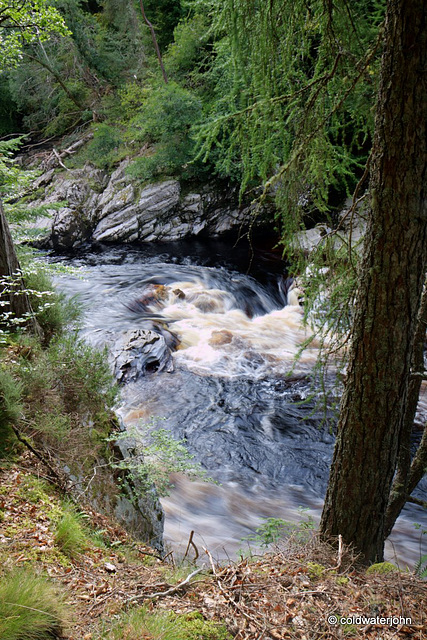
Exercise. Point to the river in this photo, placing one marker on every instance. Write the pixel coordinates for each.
(235, 396)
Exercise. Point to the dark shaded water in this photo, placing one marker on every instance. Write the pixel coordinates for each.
(229, 397)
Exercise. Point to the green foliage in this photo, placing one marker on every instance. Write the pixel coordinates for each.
(164, 15)
(30, 607)
(420, 568)
(165, 625)
(8, 116)
(188, 50)
(55, 313)
(70, 536)
(10, 398)
(23, 23)
(11, 406)
(67, 393)
(294, 93)
(275, 529)
(52, 310)
(103, 149)
(13, 181)
(78, 372)
(155, 456)
(164, 120)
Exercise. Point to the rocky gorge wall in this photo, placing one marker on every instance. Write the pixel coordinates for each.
(98, 207)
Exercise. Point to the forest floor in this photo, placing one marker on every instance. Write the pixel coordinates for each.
(296, 591)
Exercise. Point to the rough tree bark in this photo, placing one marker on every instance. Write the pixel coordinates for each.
(409, 473)
(17, 299)
(374, 403)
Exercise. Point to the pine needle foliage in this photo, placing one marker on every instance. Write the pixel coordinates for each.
(296, 86)
(297, 82)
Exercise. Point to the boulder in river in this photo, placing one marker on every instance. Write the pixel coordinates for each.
(138, 351)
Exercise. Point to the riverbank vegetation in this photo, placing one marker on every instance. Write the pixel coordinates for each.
(110, 587)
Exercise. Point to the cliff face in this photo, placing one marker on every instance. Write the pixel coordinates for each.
(110, 208)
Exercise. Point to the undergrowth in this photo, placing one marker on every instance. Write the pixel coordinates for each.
(31, 608)
(70, 536)
(164, 625)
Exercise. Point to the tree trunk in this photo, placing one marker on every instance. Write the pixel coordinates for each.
(155, 43)
(406, 478)
(388, 301)
(15, 296)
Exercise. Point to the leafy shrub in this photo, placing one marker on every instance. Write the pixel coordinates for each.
(30, 608)
(165, 120)
(103, 151)
(185, 51)
(273, 530)
(155, 456)
(54, 311)
(67, 393)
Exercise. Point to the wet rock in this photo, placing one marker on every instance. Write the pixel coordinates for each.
(111, 208)
(68, 229)
(153, 294)
(139, 351)
(219, 338)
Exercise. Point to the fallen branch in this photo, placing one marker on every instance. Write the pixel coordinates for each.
(58, 157)
(227, 597)
(160, 594)
(57, 478)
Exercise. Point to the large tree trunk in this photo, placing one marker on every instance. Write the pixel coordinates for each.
(14, 294)
(409, 474)
(392, 276)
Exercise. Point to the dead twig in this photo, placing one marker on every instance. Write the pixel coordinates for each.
(190, 542)
(160, 594)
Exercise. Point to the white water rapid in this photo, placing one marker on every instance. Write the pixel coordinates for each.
(230, 396)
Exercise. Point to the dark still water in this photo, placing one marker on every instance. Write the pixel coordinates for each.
(230, 396)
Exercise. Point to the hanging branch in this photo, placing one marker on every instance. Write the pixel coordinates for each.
(153, 36)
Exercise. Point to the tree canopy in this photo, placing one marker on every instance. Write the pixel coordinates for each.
(22, 23)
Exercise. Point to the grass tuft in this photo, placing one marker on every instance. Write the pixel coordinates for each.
(30, 608)
(70, 536)
(141, 624)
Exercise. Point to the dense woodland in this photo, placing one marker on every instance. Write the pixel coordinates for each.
(299, 104)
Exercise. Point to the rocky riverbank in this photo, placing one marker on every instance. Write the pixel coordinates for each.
(98, 207)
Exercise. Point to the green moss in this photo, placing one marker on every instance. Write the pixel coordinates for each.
(381, 567)
(315, 570)
(342, 580)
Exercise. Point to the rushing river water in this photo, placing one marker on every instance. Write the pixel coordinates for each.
(230, 396)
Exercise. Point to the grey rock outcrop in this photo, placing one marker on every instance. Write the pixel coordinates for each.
(110, 208)
(137, 350)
